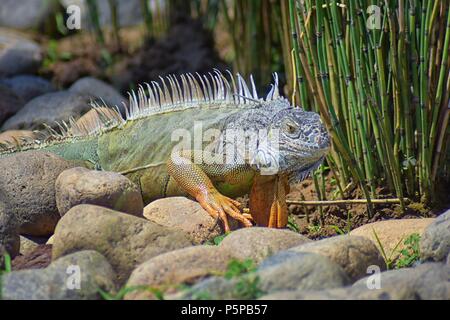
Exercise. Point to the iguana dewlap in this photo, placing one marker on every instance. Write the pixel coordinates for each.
(208, 137)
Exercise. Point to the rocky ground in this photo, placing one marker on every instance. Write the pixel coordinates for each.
(59, 221)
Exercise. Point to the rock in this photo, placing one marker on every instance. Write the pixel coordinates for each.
(348, 293)
(392, 232)
(424, 282)
(448, 259)
(107, 189)
(9, 231)
(48, 108)
(78, 276)
(172, 269)
(10, 103)
(50, 240)
(28, 87)
(128, 11)
(300, 271)
(100, 90)
(435, 241)
(125, 240)
(354, 254)
(17, 54)
(29, 244)
(257, 243)
(213, 288)
(11, 137)
(25, 14)
(180, 213)
(28, 179)
(39, 258)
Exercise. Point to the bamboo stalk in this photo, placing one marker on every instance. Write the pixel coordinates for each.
(346, 202)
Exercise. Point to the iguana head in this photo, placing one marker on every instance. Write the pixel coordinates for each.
(297, 141)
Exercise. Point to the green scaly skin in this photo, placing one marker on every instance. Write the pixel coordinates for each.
(142, 147)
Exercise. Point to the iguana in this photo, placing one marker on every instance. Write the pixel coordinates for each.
(272, 143)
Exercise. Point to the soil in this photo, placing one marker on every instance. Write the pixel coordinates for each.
(39, 258)
(336, 219)
(187, 47)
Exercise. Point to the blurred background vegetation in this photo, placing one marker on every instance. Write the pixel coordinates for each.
(376, 71)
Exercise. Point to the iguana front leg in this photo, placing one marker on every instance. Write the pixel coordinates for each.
(268, 201)
(195, 179)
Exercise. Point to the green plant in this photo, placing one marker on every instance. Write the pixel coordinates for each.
(315, 228)
(158, 293)
(248, 288)
(411, 253)
(347, 228)
(236, 268)
(292, 225)
(217, 240)
(388, 258)
(382, 92)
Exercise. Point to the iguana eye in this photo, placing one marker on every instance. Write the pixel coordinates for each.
(290, 128)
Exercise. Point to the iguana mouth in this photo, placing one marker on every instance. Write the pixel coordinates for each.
(303, 173)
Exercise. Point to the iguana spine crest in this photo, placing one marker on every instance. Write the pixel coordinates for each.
(171, 94)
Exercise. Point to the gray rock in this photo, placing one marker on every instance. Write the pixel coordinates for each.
(130, 12)
(448, 259)
(348, 293)
(171, 269)
(10, 103)
(424, 282)
(28, 244)
(257, 243)
(353, 253)
(9, 232)
(213, 288)
(98, 89)
(28, 180)
(125, 240)
(300, 271)
(48, 108)
(17, 54)
(106, 189)
(435, 241)
(183, 214)
(59, 281)
(25, 14)
(28, 87)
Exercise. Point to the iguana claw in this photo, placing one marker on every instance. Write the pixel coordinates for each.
(219, 206)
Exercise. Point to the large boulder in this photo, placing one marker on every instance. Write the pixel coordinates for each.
(354, 254)
(99, 90)
(125, 240)
(435, 241)
(392, 233)
(300, 271)
(258, 243)
(424, 282)
(107, 189)
(28, 180)
(10, 103)
(28, 87)
(82, 275)
(168, 271)
(25, 14)
(9, 233)
(48, 108)
(182, 214)
(17, 53)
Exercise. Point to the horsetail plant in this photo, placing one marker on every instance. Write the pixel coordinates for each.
(378, 72)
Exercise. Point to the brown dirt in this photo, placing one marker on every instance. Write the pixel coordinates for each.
(346, 217)
(187, 47)
(39, 258)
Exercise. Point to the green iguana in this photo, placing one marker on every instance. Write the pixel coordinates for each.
(209, 137)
